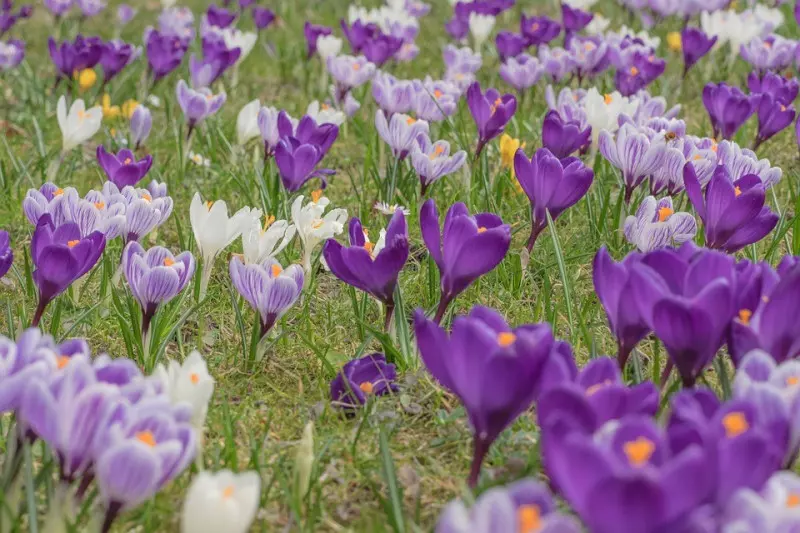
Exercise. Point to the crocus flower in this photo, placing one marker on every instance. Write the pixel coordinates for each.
(557, 62)
(143, 212)
(6, 253)
(116, 56)
(432, 161)
(243, 40)
(400, 132)
(155, 277)
(490, 111)
(79, 125)
(657, 225)
(466, 248)
(263, 17)
(483, 351)
(372, 268)
(218, 501)
(603, 111)
(695, 45)
(362, 378)
(32, 356)
(141, 124)
(268, 288)
(638, 71)
(392, 95)
(728, 108)
(539, 30)
(633, 457)
(60, 256)
(268, 126)
(125, 14)
(328, 46)
(563, 138)
(351, 105)
(69, 57)
(574, 19)
(552, 186)
(521, 72)
(379, 48)
(297, 163)
(525, 506)
(11, 54)
(773, 53)
(312, 32)
(58, 7)
(247, 123)
(358, 32)
(123, 169)
(90, 8)
(633, 153)
(197, 105)
(480, 26)
(772, 509)
(213, 231)
(773, 117)
(740, 162)
(591, 56)
(164, 53)
(509, 44)
(188, 383)
(435, 100)
(260, 243)
(312, 226)
(779, 88)
(217, 58)
(219, 16)
(325, 114)
(734, 213)
(349, 72)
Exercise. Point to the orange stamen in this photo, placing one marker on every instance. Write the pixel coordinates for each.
(735, 424)
(639, 451)
(506, 339)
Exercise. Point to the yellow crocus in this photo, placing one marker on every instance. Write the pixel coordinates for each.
(128, 107)
(86, 78)
(508, 147)
(674, 41)
(109, 111)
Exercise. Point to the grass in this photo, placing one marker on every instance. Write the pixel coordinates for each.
(394, 465)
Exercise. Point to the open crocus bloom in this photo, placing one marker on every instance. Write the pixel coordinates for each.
(79, 125)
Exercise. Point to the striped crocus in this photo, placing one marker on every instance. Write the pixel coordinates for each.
(400, 132)
(432, 161)
(633, 153)
(657, 225)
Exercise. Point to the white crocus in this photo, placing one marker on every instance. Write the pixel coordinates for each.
(649, 40)
(480, 26)
(328, 45)
(188, 383)
(214, 230)
(79, 125)
(313, 227)
(247, 123)
(261, 243)
(244, 40)
(580, 4)
(221, 501)
(325, 114)
(198, 159)
(598, 25)
(603, 111)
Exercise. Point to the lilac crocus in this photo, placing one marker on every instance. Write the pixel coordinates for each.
(6, 253)
(591, 56)
(552, 186)
(771, 53)
(695, 44)
(263, 17)
(509, 44)
(11, 54)
(123, 169)
(59, 8)
(432, 161)
(313, 32)
(349, 72)
(400, 132)
(116, 56)
(784, 90)
(33, 355)
(728, 108)
(435, 100)
(466, 248)
(392, 95)
(361, 379)
(219, 16)
(268, 288)
(633, 153)
(60, 256)
(773, 117)
(197, 105)
(557, 62)
(490, 111)
(521, 72)
(734, 213)
(772, 509)
(564, 137)
(480, 354)
(125, 14)
(657, 225)
(164, 53)
(524, 506)
(141, 124)
(539, 30)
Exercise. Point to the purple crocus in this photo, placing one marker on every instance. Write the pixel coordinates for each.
(564, 137)
(781, 89)
(197, 105)
(361, 379)
(358, 33)
(219, 16)
(307, 131)
(509, 44)
(6, 253)
(60, 256)
(496, 371)
(313, 32)
(637, 72)
(552, 186)
(432, 161)
(400, 132)
(734, 213)
(116, 56)
(155, 277)
(123, 169)
(11, 54)
(297, 163)
(770, 53)
(349, 72)
(379, 48)
(371, 268)
(268, 288)
(125, 14)
(574, 20)
(539, 30)
(392, 95)
(728, 108)
(263, 17)
(141, 124)
(490, 111)
(773, 117)
(633, 153)
(164, 53)
(33, 355)
(217, 58)
(695, 44)
(80, 54)
(521, 72)
(467, 247)
(435, 100)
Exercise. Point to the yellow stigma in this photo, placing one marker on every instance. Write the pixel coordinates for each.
(737, 191)
(529, 518)
(147, 437)
(366, 387)
(194, 377)
(437, 94)
(506, 339)
(792, 381)
(410, 120)
(128, 107)
(369, 246)
(208, 205)
(664, 213)
(744, 316)
(127, 161)
(86, 78)
(356, 66)
(62, 361)
(324, 107)
(767, 45)
(534, 26)
(607, 98)
(697, 157)
(317, 223)
(674, 41)
(228, 492)
(275, 270)
(735, 424)
(793, 500)
(99, 205)
(147, 198)
(639, 451)
(481, 230)
(496, 104)
(58, 192)
(316, 195)
(168, 262)
(634, 71)
(268, 220)
(596, 387)
(74, 243)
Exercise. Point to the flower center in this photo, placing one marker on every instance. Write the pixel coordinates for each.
(664, 213)
(147, 437)
(437, 93)
(194, 377)
(317, 223)
(356, 66)
(793, 500)
(744, 316)
(208, 205)
(99, 205)
(369, 246)
(275, 270)
(506, 339)
(534, 26)
(639, 451)
(735, 424)
(316, 195)
(366, 387)
(168, 262)
(268, 220)
(597, 386)
(227, 493)
(58, 192)
(608, 99)
(62, 361)
(127, 161)
(792, 381)
(73, 243)
(634, 71)
(410, 120)
(737, 191)
(529, 518)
